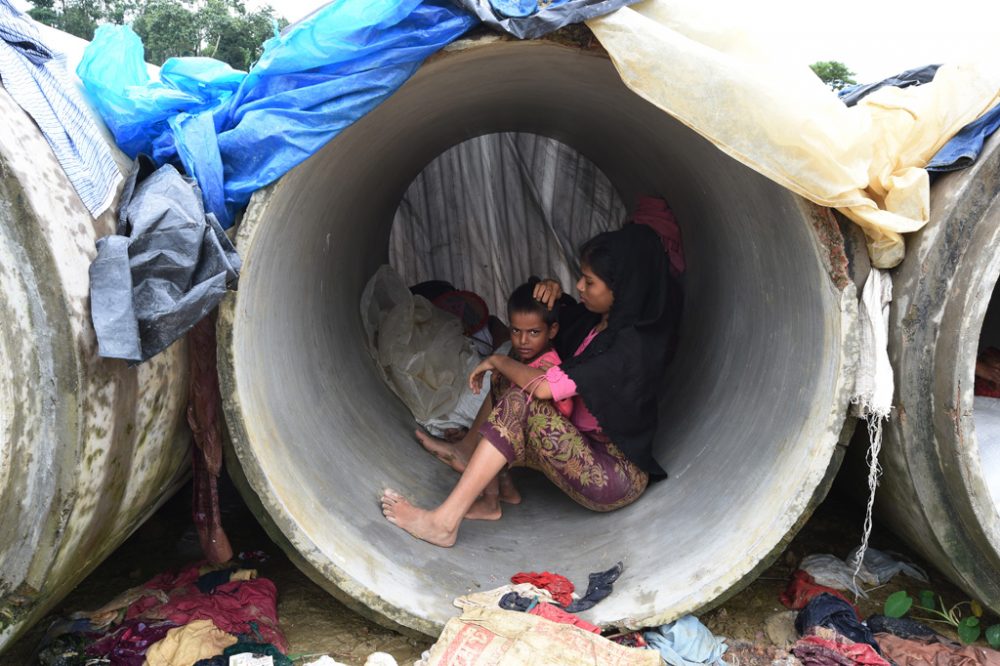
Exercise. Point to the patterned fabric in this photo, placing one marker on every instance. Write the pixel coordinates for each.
(587, 467)
(36, 78)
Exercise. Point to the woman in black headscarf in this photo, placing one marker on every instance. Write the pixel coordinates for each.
(615, 344)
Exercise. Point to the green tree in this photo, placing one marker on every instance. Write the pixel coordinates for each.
(833, 73)
(221, 29)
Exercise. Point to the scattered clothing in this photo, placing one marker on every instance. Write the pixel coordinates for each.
(494, 637)
(827, 610)
(880, 567)
(631, 639)
(204, 416)
(127, 645)
(831, 571)
(188, 644)
(963, 149)
(656, 213)
(908, 652)
(687, 642)
(515, 602)
(851, 95)
(212, 579)
(556, 614)
(239, 607)
(166, 268)
(802, 589)
(528, 19)
(251, 649)
(36, 78)
(557, 585)
(491, 598)
(903, 627)
(819, 651)
(599, 587)
(588, 467)
(114, 610)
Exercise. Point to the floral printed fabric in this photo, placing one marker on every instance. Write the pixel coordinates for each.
(586, 466)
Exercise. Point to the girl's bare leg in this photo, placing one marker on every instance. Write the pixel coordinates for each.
(440, 526)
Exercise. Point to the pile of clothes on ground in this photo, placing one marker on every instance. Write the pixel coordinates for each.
(533, 620)
(202, 615)
(829, 628)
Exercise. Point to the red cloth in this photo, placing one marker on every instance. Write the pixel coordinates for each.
(857, 653)
(558, 586)
(556, 614)
(656, 214)
(231, 606)
(985, 387)
(802, 588)
(204, 415)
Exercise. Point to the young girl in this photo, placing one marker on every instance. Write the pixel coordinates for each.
(619, 337)
(532, 328)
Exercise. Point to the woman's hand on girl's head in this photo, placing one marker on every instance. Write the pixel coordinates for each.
(476, 378)
(548, 292)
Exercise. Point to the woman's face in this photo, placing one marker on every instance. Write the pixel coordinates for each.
(594, 292)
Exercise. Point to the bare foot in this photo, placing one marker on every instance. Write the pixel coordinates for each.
(487, 507)
(418, 522)
(508, 492)
(448, 453)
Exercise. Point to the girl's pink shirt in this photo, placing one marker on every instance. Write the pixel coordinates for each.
(563, 388)
(551, 357)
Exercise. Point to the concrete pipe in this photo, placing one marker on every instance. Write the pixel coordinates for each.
(751, 415)
(941, 485)
(88, 447)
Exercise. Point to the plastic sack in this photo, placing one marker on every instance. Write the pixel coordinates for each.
(495, 637)
(702, 64)
(420, 350)
(528, 19)
(235, 133)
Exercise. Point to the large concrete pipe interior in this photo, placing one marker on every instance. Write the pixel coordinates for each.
(750, 418)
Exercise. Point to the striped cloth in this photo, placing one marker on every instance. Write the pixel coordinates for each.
(36, 78)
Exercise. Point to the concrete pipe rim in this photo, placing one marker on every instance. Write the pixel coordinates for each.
(823, 346)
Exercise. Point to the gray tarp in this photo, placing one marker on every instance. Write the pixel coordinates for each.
(168, 265)
(546, 17)
(490, 212)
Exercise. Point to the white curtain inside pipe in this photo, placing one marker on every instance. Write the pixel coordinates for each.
(716, 67)
(492, 211)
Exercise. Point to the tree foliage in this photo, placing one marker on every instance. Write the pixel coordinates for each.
(221, 29)
(833, 73)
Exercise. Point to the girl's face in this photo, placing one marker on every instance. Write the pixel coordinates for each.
(530, 335)
(594, 292)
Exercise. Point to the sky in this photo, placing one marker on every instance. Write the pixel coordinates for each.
(874, 38)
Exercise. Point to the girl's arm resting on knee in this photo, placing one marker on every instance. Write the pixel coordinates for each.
(517, 372)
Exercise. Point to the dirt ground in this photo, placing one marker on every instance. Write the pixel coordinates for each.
(316, 624)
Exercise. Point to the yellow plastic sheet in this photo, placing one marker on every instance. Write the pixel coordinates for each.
(730, 85)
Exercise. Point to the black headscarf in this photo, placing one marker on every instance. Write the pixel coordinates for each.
(619, 373)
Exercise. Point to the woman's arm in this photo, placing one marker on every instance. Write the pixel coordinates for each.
(517, 372)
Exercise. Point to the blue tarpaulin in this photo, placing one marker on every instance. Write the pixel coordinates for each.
(235, 132)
